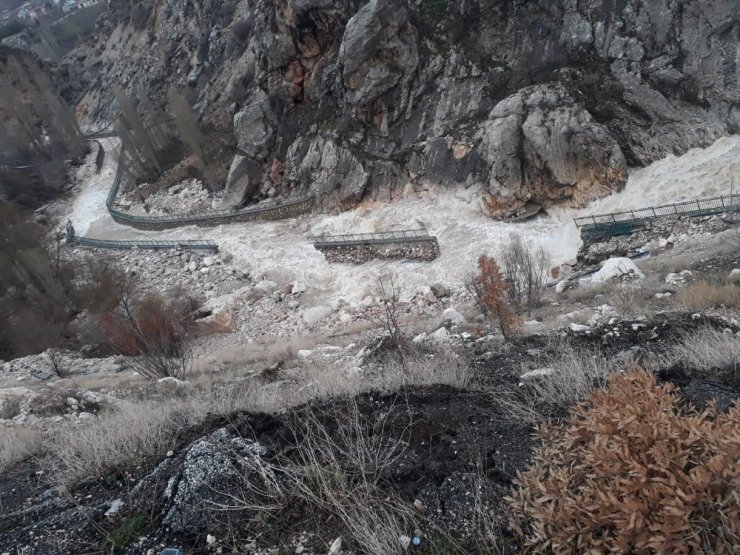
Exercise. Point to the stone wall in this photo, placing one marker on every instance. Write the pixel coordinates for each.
(425, 249)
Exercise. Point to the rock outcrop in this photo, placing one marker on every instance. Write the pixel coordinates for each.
(540, 144)
(543, 102)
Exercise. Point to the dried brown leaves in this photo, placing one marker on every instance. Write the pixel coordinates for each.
(632, 471)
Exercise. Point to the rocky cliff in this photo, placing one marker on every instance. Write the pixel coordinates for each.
(547, 101)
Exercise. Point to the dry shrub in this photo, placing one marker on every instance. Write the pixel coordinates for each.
(156, 333)
(584, 293)
(633, 472)
(489, 289)
(702, 295)
(344, 473)
(707, 349)
(119, 439)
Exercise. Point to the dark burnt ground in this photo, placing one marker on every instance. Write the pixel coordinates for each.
(457, 443)
(644, 339)
(454, 439)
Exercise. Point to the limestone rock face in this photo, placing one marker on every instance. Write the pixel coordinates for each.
(542, 146)
(328, 167)
(542, 101)
(378, 52)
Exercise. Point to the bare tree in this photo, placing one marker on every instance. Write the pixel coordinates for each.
(390, 294)
(525, 268)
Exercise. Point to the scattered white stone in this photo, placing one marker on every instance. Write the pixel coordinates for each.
(298, 288)
(562, 286)
(453, 316)
(210, 540)
(420, 338)
(173, 385)
(93, 397)
(266, 286)
(578, 328)
(536, 373)
(315, 314)
(114, 508)
(336, 546)
(679, 278)
(440, 335)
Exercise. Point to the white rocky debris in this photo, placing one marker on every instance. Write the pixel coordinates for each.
(622, 268)
(678, 278)
(114, 508)
(452, 316)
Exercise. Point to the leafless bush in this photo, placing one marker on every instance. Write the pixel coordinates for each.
(525, 267)
(488, 517)
(343, 473)
(156, 334)
(388, 290)
(56, 362)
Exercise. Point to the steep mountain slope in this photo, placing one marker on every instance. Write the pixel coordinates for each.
(546, 101)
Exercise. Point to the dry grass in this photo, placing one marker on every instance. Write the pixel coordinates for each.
(665, 263)
(633, 472)
(136, 430)
(573, 376)
(705, 351)
(585, 293)
(344, 474)
(702, 295)
(18, 444)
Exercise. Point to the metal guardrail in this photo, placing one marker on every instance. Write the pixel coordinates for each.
(147, 245)
(116, 244)
(266, 211)
(624, 223)
(397, 236)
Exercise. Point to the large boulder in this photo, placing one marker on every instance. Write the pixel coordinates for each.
(543, 146)
(211, 473)
(244, 180)
(254, 127)
(328, 167)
